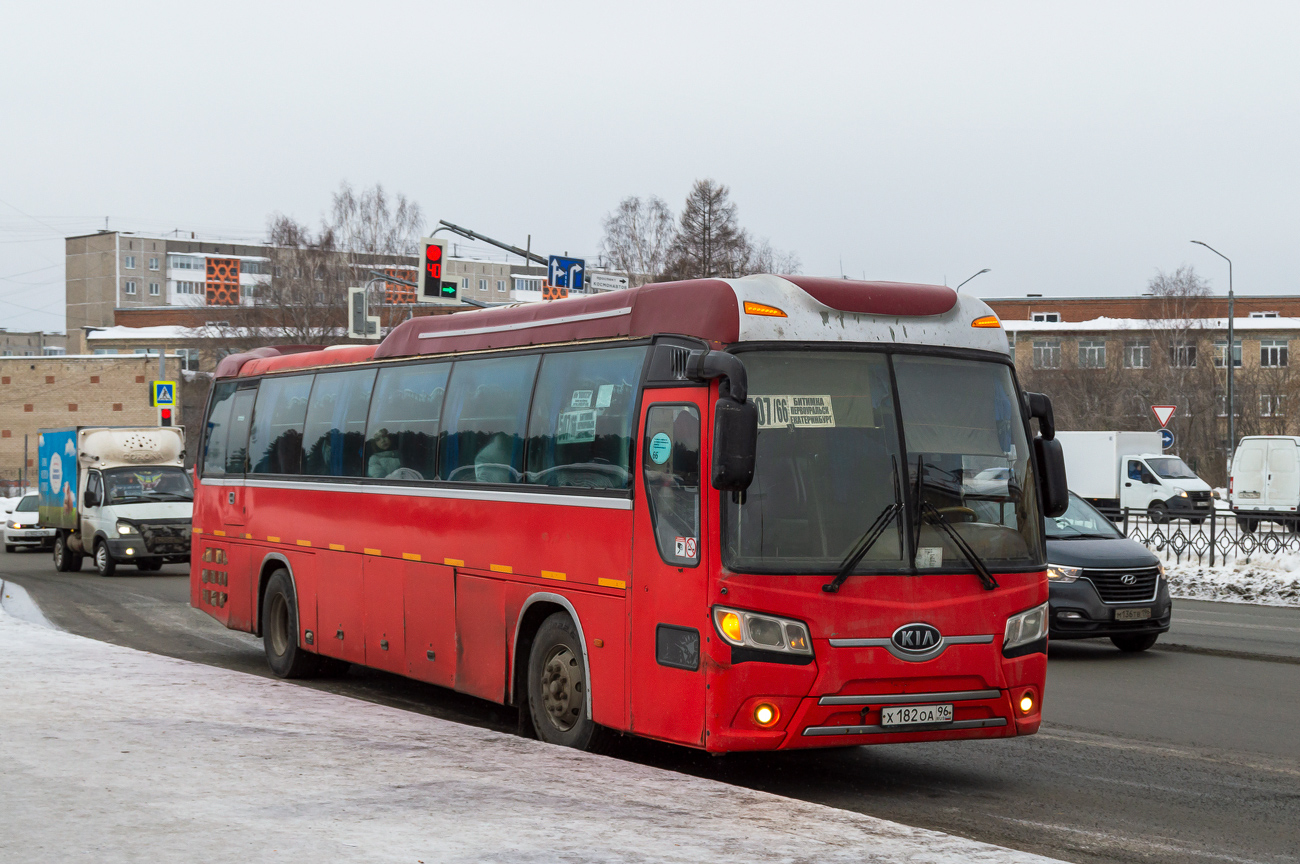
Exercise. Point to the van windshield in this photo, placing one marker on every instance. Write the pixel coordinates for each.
(1172, 468)
(155, 483)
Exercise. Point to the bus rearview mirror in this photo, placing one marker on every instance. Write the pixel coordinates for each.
(1049, 460)
(735, 441)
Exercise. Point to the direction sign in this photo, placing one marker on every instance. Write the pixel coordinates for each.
(566, 272)
(162, 394)
(1163, 413)
(1166, 439)
(607, 282)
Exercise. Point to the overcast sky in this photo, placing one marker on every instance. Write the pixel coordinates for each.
(1072, 148)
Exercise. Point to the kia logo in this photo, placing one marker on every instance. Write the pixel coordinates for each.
(1128, 579)
(916, 638)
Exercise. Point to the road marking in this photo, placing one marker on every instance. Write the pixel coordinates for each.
(1133, 843)
(1230, 624)
(1290, 767)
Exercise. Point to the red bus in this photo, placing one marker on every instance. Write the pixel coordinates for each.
(749, 514)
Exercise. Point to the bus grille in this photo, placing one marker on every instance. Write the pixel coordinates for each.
(1113, 590)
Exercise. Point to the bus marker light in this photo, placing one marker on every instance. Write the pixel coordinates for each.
(766, 714)
(555, 574)
(338, 547)
(752, 308)
(303, 542)
(453, 562)
(986, 321)
(410, 556)
(273, 539)
(501, 568)
(729, 624)
(1026, 703)
(611, 583)
(372, 551)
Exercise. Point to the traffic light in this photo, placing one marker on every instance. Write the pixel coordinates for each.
(433, 259)
(361, 325)
(164, 416)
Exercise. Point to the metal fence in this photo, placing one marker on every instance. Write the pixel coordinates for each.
(1217, 537)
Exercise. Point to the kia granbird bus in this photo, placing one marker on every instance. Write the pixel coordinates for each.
(751, 514)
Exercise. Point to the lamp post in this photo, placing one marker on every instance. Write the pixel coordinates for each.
(985, 270)
(1231, 356)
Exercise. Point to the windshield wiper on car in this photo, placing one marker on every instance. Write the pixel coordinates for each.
(925, 508)
(867, 540)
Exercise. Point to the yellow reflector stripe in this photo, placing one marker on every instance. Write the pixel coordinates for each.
(220, 533)
(554, 574)
(986, 321)
(303, 542)
(501, 568)
(410, 556)
(372, 552)
(273, 539)
(453, 562)
(752, 308)
(338, 547)
(611, 583)
(248, 536)
(197, 530)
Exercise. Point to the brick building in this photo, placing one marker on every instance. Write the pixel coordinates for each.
(16, 343)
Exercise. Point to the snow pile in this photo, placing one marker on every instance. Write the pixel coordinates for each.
(1269, 580)
(111, 754)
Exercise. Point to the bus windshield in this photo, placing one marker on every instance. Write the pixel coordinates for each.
(832, 457)
(155, 483)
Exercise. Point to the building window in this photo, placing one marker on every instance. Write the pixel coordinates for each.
(154, 289)
(1272, 352)
(1137, 355)
(1270, 405)
(1221, 348)
(1047, 317)
(186, 262)
(1047, 353)
(1265, 315)
(482, 285)
(189, 359)
(129, 262)
(528, 284)
(189, 288)
(7, 353)
(105, 350)
(255, 268)
(153, 263)
(130, 287)
(1011, 340)
(464, 283)
(51, 351)
(501, 286)
(1182, 355)
(1092, 354)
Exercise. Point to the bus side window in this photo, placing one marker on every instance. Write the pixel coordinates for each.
(275, 445)
(215, 430)
(241, 417)
(405, 413)
(483, 430)
(580, 431)
(671, 462)
(335, 430)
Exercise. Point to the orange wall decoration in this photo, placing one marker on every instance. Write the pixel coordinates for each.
(394, 293)
(223, 282)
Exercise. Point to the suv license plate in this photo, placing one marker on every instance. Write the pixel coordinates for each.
(911, 715)
(1132, 614)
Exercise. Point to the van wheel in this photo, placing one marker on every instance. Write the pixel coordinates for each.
(148, 566)
(104, 563)
(557, 687)
(284, 655)
(1247, 526)
(1158, 512)
(65, 560)
(1131, 643)
(9, 547)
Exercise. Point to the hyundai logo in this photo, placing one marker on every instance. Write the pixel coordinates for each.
(1128, 579)
(916, 638)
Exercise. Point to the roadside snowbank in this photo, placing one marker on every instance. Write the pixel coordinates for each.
(116, 755)
(1268, 580)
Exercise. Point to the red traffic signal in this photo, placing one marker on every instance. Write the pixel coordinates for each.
(164, 416)
(433, 262)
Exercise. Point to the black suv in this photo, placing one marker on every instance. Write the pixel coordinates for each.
(1101, 583)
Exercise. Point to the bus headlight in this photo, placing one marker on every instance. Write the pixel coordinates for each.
(125, 528)
(1061, 573)
(1028, 626)
(764, 632)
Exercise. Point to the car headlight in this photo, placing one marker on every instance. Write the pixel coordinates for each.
(12, 524)
(125, 528)
(1061, 573)
(1029, 626)
(764, 632)
(1160, 565)
(1181, 493)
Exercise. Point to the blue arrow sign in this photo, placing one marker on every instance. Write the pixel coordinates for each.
(1166, 439)
(566, 272)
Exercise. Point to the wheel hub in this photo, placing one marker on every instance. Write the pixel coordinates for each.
(562, 688)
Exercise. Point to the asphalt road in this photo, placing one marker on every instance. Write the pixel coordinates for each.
(1189, 752)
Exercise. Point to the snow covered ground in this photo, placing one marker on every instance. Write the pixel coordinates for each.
(108, 754)
(1270, 580)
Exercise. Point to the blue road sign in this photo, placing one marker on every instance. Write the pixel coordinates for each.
(164, 394)
(1166, 439)
(567, 272)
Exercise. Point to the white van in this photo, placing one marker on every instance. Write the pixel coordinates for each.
(1265, 481)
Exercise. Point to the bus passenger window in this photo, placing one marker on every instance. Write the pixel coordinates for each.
(241, 417)
(487, 406)
(335, 431)
(671, 461)
(580, 431)
(402, 434)
(214, 443)
(275, 443)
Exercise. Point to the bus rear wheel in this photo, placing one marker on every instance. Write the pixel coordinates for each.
(284, 655)
(557, 686)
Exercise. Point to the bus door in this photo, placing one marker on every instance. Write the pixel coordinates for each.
(669, 585)
(231, 501)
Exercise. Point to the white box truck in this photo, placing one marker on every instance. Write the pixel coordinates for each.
(1264, 484)
(120, 494)
(1126, 469)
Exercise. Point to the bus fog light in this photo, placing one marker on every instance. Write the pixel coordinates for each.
(766, 714)
(1026, 703)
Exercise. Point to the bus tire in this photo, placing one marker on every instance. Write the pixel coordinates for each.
(105, 564)
(284, 655)
(1132, 643)
(557, 687)
(65, 560)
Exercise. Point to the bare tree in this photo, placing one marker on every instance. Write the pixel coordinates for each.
(709, 241)
(764, 259)
(637, 238)
(367, 223)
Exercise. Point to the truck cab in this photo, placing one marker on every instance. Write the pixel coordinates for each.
(1165, 487)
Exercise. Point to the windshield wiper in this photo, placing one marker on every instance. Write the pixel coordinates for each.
(867, 540)
(937, 518)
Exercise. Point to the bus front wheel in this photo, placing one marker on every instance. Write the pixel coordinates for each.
(557, 686)
(284, 655)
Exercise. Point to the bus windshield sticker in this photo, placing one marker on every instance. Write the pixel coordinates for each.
(576, 427)
(928, 557)
(581, 399)
(776, 412)
(684, 547)
(604, 395)
(660, 446)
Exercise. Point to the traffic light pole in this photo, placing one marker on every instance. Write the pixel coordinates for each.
(526, 254)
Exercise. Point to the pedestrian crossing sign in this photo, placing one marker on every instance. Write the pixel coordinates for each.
(162, 394)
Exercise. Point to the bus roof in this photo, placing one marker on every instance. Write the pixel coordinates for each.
(780, 308)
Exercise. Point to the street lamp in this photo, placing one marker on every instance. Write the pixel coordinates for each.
(1231, 356)
(985, 270)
